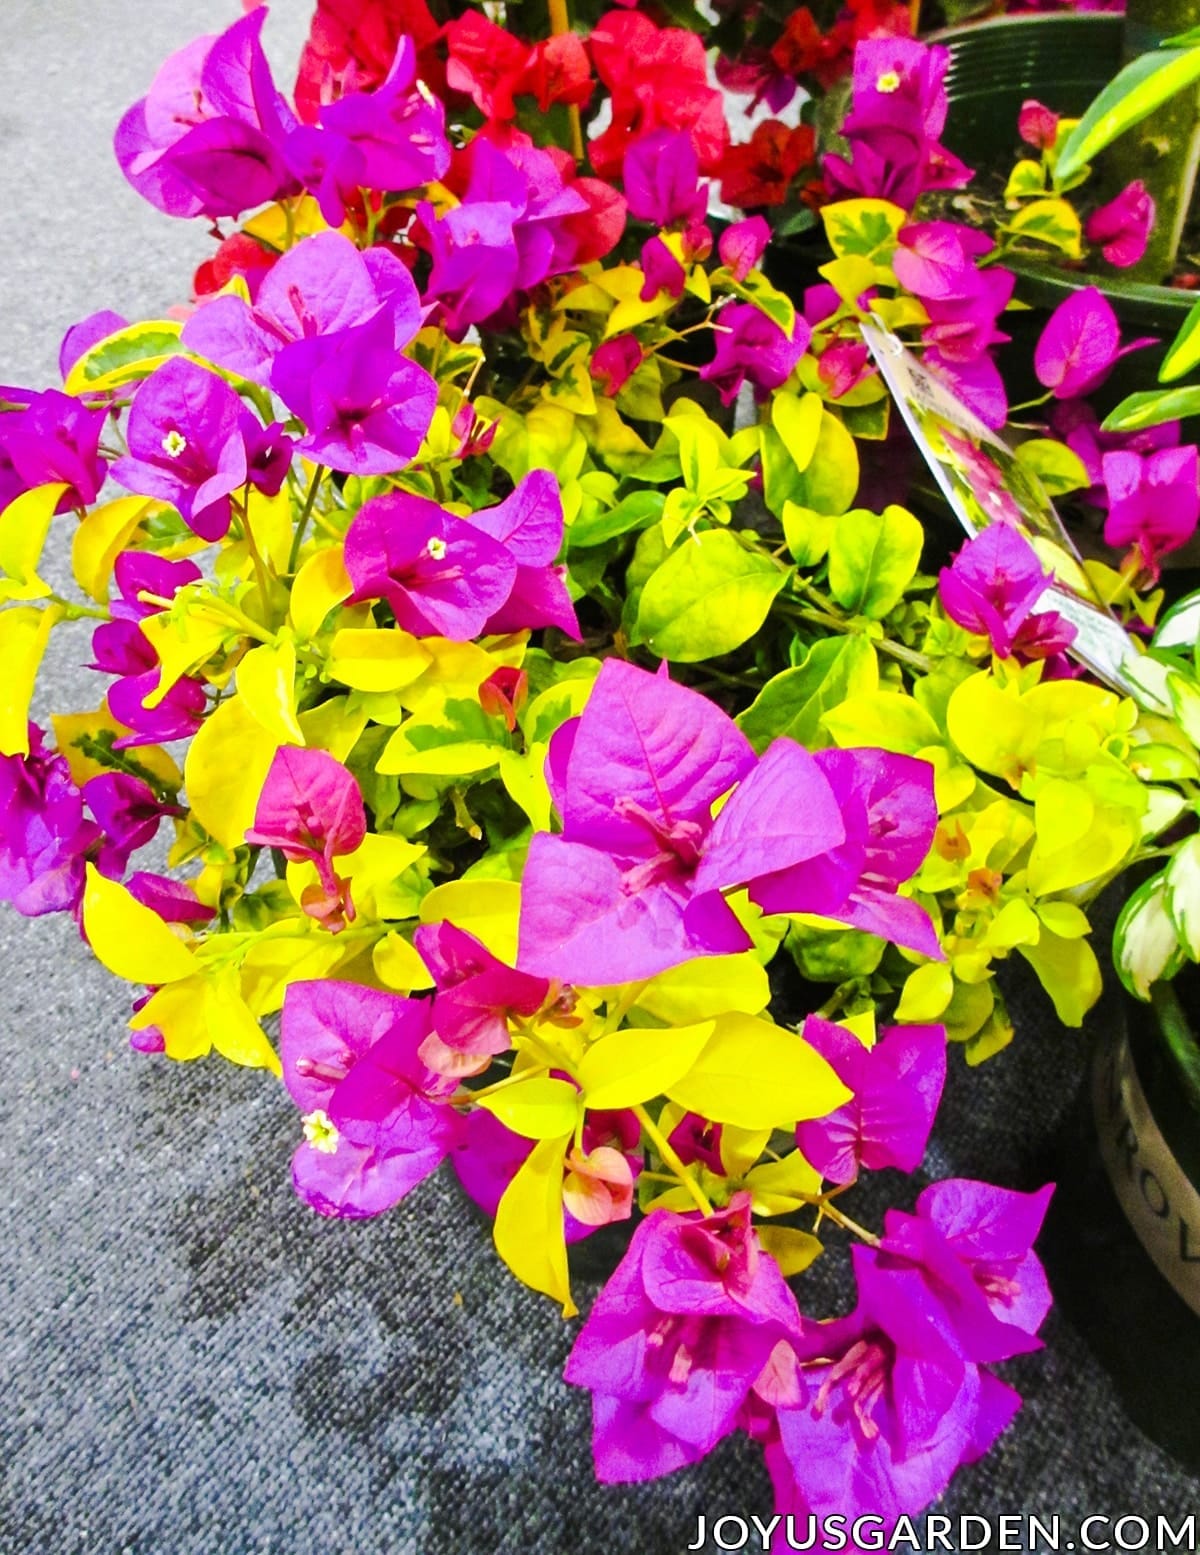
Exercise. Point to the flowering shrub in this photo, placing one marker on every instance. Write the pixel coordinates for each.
(490, 621)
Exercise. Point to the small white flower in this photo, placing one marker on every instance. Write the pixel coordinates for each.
(888, 82)
(320, 1132)
(174, 443)
(436, 548)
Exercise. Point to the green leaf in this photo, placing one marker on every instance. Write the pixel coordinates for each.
(873, 558)
(866, 228)
(538, 1108)
(868, 423)
(636, 511)
(1146, 948)
(1050, 221)
(755, 1074)
(1182, 895)
(807, 533)
(633, 1066)
(1151, 407)
(708, 597)
(1180, 625)
(1184, 351)
(133, 352)
(1058, 467)
(794, 702)
(1135, 92)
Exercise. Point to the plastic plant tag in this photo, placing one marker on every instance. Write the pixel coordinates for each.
(983, 480)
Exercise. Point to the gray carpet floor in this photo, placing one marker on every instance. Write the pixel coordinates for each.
(190, 1362)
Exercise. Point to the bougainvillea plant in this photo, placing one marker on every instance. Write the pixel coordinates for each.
(489, 619)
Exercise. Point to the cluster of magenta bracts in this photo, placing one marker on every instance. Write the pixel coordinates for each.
(667, 820)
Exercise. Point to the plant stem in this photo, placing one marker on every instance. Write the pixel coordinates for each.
(839, 1218)
(260, 571)
(560, 22)
(669, 1159)
(306, 514)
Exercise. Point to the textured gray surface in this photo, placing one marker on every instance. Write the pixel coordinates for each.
(190, 1363)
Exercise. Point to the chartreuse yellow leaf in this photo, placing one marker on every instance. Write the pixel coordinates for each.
(529, 1224)
(271, 521)
(453, 670)
(884, 718)
(277, 227)
(927, 992)
(100, 539)
(778, 1187)
(376, 872)
(1069, 972)
(694, 989)
(178, 1011)
(523, 774)
(370, 660)
(1078, 839)
(266, 682)
(1064, 919)
(797, 419)
(630, 1067)
(792, 1249)
(850, 277)
(538, 1108)
(132, 941)
(225, 770)
(204, 1012)
(758, 1075)
(993, 727)
(24, 525)
(319, 587)
(741, 1147)
(398, 965)
(333, 725)
(183, 640)
(624, 283)
(488, 909)
(72, 728)
(283, 954)
(24, 632)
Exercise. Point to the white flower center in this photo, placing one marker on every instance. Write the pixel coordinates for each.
(436, 548)
(889, 81)
(174, 443)
(320, 1132)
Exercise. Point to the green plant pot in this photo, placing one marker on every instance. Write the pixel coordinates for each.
(1062, 61)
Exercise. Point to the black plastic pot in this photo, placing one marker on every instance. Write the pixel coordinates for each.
(1062, 61)
(1123, 1240)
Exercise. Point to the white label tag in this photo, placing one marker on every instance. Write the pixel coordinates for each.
(983, 480)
